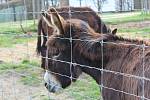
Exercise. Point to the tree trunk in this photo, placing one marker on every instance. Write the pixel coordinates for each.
(99, 6)
(148, 5)
(121, 5)
(14, 12)
(64, 3)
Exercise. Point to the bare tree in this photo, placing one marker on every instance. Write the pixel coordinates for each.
(149, 5)
(100, 4)
(145, 6)
(64, 3)
(47, 3)
(121, 5)
(54, 3)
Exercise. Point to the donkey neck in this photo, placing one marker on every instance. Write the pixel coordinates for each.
(87, 66)
(113, 55)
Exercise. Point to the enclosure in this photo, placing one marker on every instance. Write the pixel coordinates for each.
(21, 77)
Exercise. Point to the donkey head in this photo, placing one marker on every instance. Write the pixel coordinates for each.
(59, 74)
(63, 72)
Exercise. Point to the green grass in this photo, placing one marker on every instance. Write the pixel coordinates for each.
(20, 66)
(9, 40)
(135, 32)
(26, 68)
(11, 32)
(139, 30)
(132, 18)
(31, 80)
(84, 89)
(14, 27)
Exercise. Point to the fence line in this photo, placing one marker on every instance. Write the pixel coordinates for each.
(102, 69)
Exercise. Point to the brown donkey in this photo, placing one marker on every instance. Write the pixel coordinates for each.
(83, 13)
(115, 63)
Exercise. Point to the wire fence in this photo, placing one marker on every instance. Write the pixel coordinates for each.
(21, 77)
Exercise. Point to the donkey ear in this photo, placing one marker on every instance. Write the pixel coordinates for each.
(114, 31)
(57, 20)
(47, 18)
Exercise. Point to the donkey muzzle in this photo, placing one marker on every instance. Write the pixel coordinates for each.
(52, 88)
(51, 83)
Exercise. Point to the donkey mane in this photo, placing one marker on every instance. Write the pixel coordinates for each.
(133, 41)
(89, 45)
(87, 42)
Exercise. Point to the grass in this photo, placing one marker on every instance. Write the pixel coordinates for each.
(21, 66)
(9, 40)
(125, 19)
(111, 18)
(15, 27)
(143, 33)
(84, 89)
(31, 80)
(11, 33)
(139, 30)
(26, 68)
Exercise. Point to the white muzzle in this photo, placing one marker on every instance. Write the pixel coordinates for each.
(51, 83)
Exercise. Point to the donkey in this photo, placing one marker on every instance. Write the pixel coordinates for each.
(83, 13)
(115, 63)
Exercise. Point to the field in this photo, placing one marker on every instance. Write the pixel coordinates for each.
(20, 73)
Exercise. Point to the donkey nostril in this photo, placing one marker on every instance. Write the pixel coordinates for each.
(45, 84)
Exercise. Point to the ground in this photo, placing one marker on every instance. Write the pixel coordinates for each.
(141, 24)
(18, 52)
(20, 84)
(12, 89)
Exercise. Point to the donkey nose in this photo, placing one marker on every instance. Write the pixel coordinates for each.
(49, 87)
(46, 85)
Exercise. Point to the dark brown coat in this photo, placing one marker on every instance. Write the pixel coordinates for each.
(122, 63)
(83, 13)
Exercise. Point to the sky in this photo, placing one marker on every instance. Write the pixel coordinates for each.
(109, 5)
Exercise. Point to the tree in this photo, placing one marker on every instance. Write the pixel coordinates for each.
(80, 2)
(64, 3)
(47, 3)
(145, 6)
(121, 5)
(54, 3)
(100, 4)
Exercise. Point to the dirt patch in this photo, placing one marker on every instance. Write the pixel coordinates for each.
(12, 89)
(141, 24)
(18, 52)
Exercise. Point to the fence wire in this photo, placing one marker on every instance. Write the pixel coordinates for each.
(11, 78)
